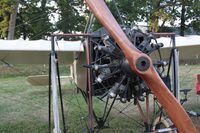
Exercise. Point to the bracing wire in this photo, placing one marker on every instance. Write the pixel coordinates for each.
(118, 12)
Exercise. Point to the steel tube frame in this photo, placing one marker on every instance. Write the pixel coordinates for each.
(89, 79)
(89, 88)
(54, 84)
(174, 61)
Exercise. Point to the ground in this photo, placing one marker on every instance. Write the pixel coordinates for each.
(24, 108)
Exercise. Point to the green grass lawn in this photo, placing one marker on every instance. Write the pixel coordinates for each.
(24, 108)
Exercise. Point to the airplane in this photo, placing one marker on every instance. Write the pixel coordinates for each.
(69, 53)
(21, 51)
(74, 53)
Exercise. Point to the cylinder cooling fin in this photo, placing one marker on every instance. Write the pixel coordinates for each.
(112, 77)
(111, 71)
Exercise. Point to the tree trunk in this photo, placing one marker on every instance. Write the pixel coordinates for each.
(154, 26)
(12, 22)
(154, 18)
(182, 28)
(43, 6)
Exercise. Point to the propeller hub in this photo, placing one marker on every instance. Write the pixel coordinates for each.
(142, 63)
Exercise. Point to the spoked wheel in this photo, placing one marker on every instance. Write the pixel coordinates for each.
(163, 124)
(154, 117)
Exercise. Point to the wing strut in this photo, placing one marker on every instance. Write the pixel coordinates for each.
(54, 85)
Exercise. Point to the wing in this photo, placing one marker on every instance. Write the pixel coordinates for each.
(188, 47)
(142, 65)
(36, 52)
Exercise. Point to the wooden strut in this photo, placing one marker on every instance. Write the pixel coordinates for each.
(173, 108)
(89, 88)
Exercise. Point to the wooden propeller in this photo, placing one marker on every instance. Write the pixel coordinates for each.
(142, 65)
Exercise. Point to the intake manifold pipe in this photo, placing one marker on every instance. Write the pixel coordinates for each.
(147, 72)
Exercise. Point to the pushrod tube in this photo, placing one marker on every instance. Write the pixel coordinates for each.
(173, 108)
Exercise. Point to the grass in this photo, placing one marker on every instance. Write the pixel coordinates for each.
(188, 81)
(188, 75)
(24, 108)
(27, 70)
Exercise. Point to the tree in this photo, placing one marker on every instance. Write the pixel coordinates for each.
(132, 10)
(195, 23)
(160, 10)
(5, 11)
(70, 19)
(129, 10)
(112, 5)
(33, 20)
(190, 11)
(12, 21)
(33, 16)
(150, 11)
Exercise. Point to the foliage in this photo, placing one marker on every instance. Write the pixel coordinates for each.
(196, 25)
(96, 25)
(155, 11)
(34, 16)
(70, 20)
(129, 10)
(190, 13)
(5, 10)
(33, 21)
(139, 10)
(195, 16)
